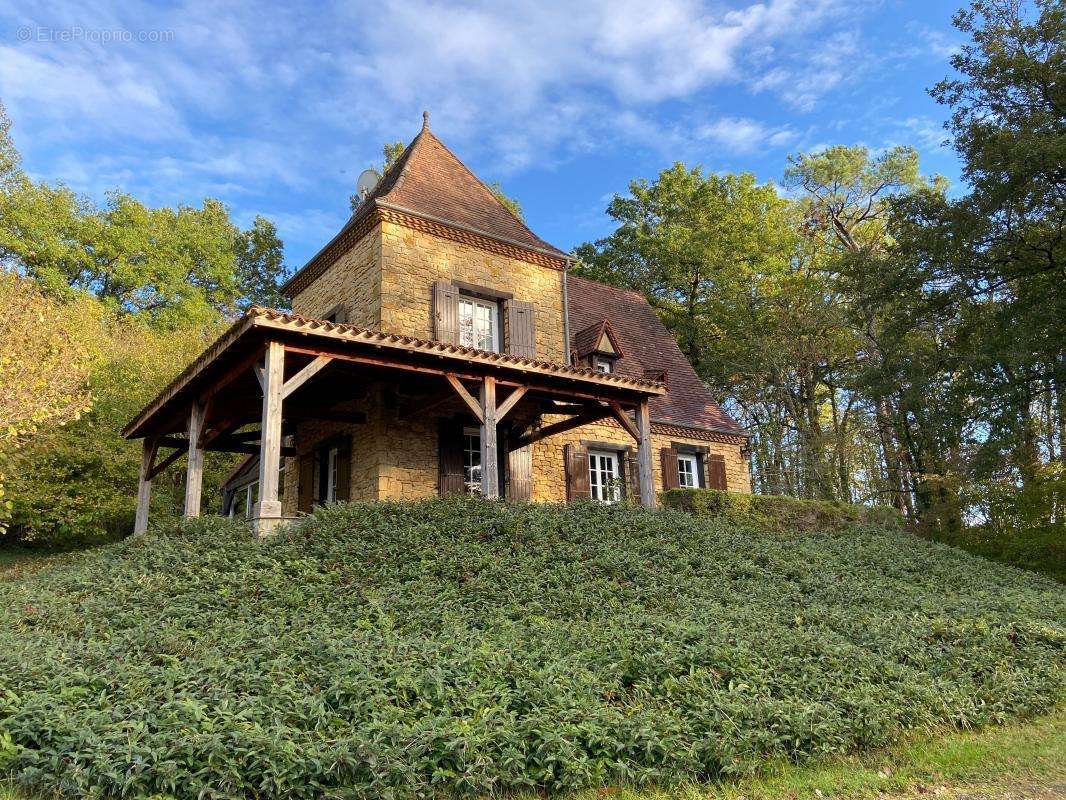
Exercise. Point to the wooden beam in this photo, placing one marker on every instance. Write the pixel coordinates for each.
(144, 486)
(259, 376)
(590, 415)
(466, 397)
(166, 462)
(645, 478)
(510, 402)
(624, 420)
(568, 393)
(172, 441)
(490, 472)
(194, 469)
(304, 375)
(326, 415)
(247, 447)
(267, 513)
(416, 408)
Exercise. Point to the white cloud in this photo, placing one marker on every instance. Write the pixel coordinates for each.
(743, 135)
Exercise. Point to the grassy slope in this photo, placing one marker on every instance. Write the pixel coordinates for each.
(993, 763)
(475, 646)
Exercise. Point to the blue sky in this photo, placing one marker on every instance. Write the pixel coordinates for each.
(277, 111)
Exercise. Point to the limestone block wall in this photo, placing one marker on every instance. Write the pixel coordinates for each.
(411, 261)
(549, 472)
(353, 281)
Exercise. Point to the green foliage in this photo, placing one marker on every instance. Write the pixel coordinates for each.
(509, 203)
(779, 514)
(470, 647)
(77, 483)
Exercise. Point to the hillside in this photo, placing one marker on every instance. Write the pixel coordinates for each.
(468, 647)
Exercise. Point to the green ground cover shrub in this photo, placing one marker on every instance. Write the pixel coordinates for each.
(468, 647)
(776, 513)
(1040, 548)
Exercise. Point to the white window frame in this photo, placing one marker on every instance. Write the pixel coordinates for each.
(471, 334)
(472, 454)
(251, 497)
(688, 471)
(605, 483)
(603, 365)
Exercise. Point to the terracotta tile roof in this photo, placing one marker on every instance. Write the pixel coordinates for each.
(586, 341)
(451, 356)
(429, 180)
(648, 347)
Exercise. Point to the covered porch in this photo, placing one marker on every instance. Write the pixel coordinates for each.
(272, 372)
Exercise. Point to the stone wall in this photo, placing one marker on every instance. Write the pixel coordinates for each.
(549, 471)
(353, 281)
(413, 260)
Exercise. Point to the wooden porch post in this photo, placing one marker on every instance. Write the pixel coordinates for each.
(194, 472)
(490, 473)
(644, 473)
(144, 485)
(267, 513)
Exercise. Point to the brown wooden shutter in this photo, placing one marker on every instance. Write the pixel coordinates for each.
(520, 473)
(627, 463)
(521, 329)
(445, 312)
(671, 477)
(716, 471)
(306, 494)
(451, 479)
(576, 459)
(343, 490)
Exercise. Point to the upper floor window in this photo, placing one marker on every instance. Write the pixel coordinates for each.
(604, 365)
(479, 323)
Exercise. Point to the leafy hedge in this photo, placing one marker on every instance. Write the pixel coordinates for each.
(469, 647)
(774, 513)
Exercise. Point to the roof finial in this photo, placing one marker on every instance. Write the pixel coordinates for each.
(425, 120)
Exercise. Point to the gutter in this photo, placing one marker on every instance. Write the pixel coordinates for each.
(566, 314)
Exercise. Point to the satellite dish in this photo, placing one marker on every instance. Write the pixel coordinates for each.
(368, 179)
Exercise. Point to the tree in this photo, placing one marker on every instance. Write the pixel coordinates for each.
(261, 269)
(509, 203)
(10, 160)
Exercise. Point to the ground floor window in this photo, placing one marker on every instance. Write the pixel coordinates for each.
(688, 474)
(604, 478)
(472, 460)
(329, 490)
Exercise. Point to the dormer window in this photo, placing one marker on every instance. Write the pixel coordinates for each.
(479, 323)
(603, 364)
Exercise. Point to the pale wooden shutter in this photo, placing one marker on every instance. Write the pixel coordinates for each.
(521, 329)
(306, 493)
(671, 478)
(520, 473)
(342, 491)
(450, 448)
(576, 459)
(627, 463)
(445, 312)
(716, 472)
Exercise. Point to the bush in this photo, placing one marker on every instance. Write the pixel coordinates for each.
(773, 513)
(471, 647)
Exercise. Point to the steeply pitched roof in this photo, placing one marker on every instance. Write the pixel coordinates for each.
(649, 347)
(429, 180)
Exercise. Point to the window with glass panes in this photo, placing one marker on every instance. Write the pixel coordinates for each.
(479, 323)
(604, 484)
(688, 474)
(472, 460)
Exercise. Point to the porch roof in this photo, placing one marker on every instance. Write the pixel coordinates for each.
(241, 346)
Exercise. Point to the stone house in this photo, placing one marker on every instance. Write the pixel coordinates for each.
(435, 346)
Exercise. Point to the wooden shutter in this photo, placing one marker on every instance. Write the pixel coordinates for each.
(445, 312)
(520, 473)
(576, 459)
(627, 465)
(716, 471)
(450, 448)
(343, 490)
(701, 470)
(521, 329)
(671, 478)
(306, 493)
